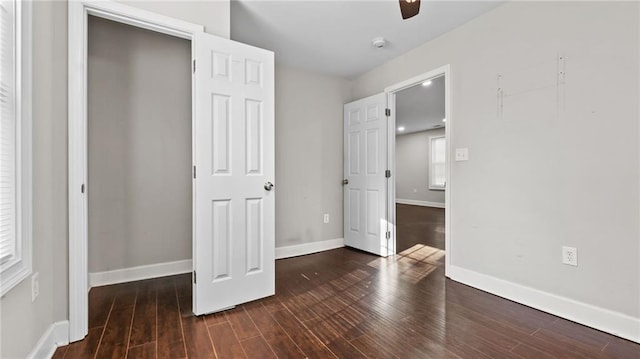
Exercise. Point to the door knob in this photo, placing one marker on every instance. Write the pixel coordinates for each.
(345, 181)
(268, 186)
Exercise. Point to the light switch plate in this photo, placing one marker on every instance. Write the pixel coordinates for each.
(462, 154)
(35, 286)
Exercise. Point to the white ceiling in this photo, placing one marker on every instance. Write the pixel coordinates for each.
(334, 37)
(421, 108)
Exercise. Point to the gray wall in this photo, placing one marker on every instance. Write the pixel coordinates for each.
(412, 167)
(23, 322)
(547, 189)
(139, 147)
(308, 155)
(536, 181)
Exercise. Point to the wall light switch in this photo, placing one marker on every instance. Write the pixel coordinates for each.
(462, 154)
(326, 218)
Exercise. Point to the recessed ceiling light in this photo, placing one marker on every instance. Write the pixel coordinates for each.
(444, 120)
(426, 83)
(401, 128)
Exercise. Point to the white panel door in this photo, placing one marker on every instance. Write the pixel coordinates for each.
(365, 163)
(234, 230)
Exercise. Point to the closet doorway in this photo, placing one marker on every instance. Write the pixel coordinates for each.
(139, 153)
(231, 165)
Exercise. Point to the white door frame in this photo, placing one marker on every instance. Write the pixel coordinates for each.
(77, 132)
(391, 101)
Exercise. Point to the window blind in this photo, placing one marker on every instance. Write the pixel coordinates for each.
(438, 162)
(8, 140)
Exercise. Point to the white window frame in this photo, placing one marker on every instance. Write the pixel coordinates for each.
(432, 185)
(19, 267)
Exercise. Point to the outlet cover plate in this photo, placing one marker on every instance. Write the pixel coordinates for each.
(570, 256)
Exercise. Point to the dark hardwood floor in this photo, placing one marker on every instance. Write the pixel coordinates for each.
(341, 303)
(419, 225)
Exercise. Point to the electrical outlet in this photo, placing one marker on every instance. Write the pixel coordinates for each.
(35, 286)
(570, 256)
(326, 218)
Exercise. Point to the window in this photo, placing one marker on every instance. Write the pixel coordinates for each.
(15, 144)
(437, 160)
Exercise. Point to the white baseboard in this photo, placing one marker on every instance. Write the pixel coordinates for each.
(308, 248)
(56, 335)
(131, 274)
(414, 202)
(605, 320)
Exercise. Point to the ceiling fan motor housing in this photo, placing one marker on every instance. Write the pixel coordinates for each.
(409, 8)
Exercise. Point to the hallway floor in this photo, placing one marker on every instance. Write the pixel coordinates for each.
(419, 225)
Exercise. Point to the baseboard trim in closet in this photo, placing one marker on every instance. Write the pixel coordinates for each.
(97, 279)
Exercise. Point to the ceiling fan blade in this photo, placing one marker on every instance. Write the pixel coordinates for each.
(409, 8)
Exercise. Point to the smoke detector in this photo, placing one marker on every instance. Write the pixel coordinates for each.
(378, 42)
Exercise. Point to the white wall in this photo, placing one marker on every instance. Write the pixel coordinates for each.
(23, 322)
(139, 147)
(536, 181)
(308, 155)
(412, 167)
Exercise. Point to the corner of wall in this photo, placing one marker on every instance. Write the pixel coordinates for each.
(56, 335)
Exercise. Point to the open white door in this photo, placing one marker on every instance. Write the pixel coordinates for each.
(234, 231)
(365, 184)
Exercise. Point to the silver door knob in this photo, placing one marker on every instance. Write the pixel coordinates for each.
(268, 186)
(345, 181)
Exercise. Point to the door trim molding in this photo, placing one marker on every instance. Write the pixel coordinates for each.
(391, 102)
(78, 12)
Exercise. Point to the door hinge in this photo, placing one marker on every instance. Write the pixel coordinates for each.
(388, 235)
(194, 66)
(82, 188)
(387, 112)
(387, 173)
(194, 277)
(194, 172)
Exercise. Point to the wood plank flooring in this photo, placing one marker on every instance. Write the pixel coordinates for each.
(341, 303)
(419, 225)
